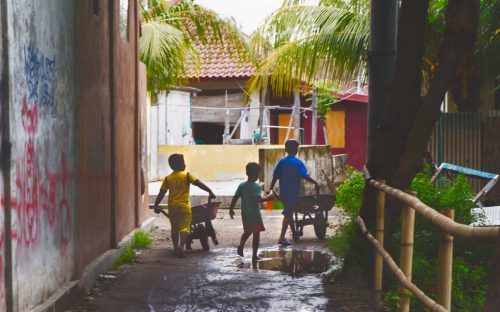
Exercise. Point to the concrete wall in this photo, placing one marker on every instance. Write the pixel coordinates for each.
(316, 159)
(125, 122)
(227, 162)
(43, 88)
(94, 135)
(71, 182)
(174, 118)
(4, 100)
(210, 162)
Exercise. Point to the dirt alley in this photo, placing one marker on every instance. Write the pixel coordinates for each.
(220, 280)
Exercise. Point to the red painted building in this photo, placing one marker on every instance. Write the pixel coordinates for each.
(345, 125)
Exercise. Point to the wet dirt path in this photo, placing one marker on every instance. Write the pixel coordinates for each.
(287, 279)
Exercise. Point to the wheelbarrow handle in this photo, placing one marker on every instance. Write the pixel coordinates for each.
(161, 210)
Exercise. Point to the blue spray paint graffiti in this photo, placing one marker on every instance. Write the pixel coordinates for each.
(39, 74)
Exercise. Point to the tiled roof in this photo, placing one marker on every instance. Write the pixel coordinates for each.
(217, 62)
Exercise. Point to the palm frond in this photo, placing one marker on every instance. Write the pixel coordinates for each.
(170, 34)
(309, 43)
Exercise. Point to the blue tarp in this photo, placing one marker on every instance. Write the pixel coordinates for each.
(468, 171)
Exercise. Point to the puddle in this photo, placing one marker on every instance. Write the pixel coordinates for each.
(294, 262)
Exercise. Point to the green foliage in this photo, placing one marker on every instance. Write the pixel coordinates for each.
(469, 263)
(170, 33)
(141, 240)
(127, 256)
(296, 42)
(469, 268)
(325, 88)
(349, 197)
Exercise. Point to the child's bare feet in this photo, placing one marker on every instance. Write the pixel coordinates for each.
(215, 241)
(239, 251)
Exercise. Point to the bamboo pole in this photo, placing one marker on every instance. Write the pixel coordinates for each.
(406, 258)
(379, 235)
(419, 294)
(445, 265)
(442, 223)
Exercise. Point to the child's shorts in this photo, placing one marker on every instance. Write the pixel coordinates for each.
(180, 219)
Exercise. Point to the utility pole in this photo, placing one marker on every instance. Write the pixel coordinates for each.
(296, 117)
(314, 121)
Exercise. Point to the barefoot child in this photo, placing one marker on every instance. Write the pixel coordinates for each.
(250, 193)
(179, 207)
(290, 171)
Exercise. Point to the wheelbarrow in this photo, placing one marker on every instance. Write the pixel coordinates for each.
(313, 210)
(201, 226)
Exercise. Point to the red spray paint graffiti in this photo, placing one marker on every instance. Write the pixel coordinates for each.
(40, 191)
(57, 208)
(27, 182)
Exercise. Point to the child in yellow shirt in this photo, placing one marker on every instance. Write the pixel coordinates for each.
(179, 206)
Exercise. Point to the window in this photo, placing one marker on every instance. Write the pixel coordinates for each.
(335, 128)
(124, 19)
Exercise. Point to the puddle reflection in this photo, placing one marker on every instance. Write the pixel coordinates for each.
(294, 262)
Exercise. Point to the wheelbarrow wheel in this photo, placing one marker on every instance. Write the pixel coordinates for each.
(203, 237)
(320, 225)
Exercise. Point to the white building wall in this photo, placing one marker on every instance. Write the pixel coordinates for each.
(178, 125)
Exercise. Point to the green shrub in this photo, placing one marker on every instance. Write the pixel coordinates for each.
(349, 197)
(127, 256)
(141, 240)
(469, 263)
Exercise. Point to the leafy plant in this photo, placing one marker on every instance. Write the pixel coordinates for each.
(127, 256)
(470, 258)
(349, 197)
(140, 240)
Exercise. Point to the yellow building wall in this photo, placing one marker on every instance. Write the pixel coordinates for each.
(211, 162)
(335, 127)
(284, 121)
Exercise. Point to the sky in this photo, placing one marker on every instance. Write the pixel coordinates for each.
(247, 13)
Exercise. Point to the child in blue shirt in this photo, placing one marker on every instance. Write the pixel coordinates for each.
(290, 170)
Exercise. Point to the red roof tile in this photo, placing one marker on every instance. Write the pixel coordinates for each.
(216, 61)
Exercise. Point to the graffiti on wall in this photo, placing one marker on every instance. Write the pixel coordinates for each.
(39, 74)
(40, 200)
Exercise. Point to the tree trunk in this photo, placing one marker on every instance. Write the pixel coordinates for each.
(462, 19)
(387, 143)
(401, 139)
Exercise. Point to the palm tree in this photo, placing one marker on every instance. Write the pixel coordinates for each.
(170, 31)
(304, 43)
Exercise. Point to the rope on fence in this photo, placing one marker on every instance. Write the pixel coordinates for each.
(442, 222)
(428, 302)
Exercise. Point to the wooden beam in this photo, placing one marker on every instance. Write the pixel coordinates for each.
(296, 117)
(314, 121)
